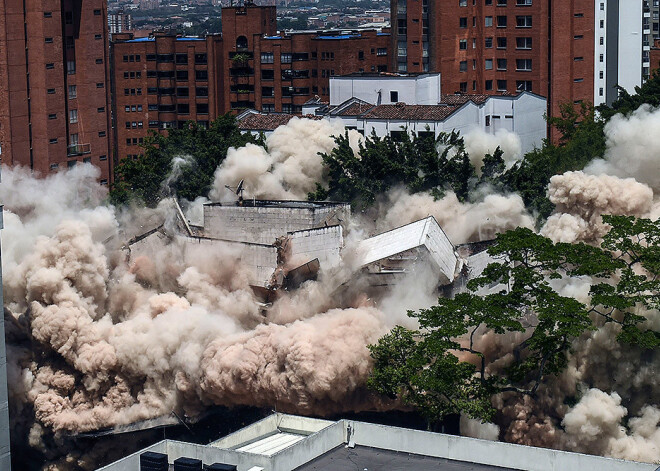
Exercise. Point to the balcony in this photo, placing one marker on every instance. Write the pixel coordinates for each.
(79, 149)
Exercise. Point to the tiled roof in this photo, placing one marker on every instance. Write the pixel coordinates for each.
(411, 112)
(477, 99)
(268, 122)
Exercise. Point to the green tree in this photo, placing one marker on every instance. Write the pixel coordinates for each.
(197, 152)
(439, 368)
(626, 103)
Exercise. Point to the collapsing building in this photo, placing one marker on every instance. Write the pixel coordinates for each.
(282, 244)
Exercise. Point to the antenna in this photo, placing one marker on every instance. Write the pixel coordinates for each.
(238, 189)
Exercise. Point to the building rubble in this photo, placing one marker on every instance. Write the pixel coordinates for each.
(283, 243)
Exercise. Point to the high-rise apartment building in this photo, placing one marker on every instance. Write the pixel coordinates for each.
(164, 81)
(119, 22)
(566, 50)
(161, 83)
(54, 103)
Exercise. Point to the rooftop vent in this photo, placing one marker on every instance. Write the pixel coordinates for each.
(151, 461)
(187, 464)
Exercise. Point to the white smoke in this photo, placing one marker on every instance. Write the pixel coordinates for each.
(633, 149)
(289, 168)
(478, 143)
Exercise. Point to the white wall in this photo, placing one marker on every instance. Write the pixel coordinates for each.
(600, 15)
(412, 90)
(630, 44)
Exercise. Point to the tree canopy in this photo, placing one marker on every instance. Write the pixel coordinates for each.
(439, 368)
(195, 150)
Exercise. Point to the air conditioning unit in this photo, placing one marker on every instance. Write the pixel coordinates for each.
(187, 464)
(152, 461)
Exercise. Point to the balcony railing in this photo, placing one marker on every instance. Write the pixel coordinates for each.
(79, 149)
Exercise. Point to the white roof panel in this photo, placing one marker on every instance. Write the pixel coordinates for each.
(271, 444)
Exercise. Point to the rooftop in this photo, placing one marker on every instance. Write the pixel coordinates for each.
(283, 442)
(401, 111)
(254, 203)
(268, 122)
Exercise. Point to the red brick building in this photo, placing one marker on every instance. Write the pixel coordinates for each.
(492, 46)
(54, 101)
(161, 83)
(164, 81)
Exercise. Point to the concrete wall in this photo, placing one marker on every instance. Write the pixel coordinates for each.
(484, 451)
(264, 224)
(324, 243)
(5, 463)
(413, 90)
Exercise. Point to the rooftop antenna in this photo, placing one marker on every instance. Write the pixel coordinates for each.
(238, 189)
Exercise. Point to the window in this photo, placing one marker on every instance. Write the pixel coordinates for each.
(151, 57)
(462, 3)
(578, 15)
(501, 85)
(100, 110)
(52, 116)
(54, 166)
(200, 58)
(100, 84)
(202, 91)
(463, 87)
(182, 91)
(394, 96)
(602, 40)
(488, 42)
(381, 51)
(101, 133)
(241, 42)
(153, 124)
(488, 2)
(462, 44)
(524, 64)
(462, 66)
(600, 74)
(402, 26)
(201, 75)
(97, 12)
(600, 91)
(285, 58)
(501, 3)
(181, 75)
(99, 61)
(501, 21)
(183, 108)
(578, 36)
(52, 141)
(602, 23)
(48, 14)
(202, 108)
(578, 80)
(489, 84)
(267, 57)
(181, 58)
(523, 3)
(73, 116)
(48, 40)
(103, 157)
(501, 43)
(523, 21)
(267, 74)
(361, 55)
(165, 58)
(601, 58)
(489, 64)
(462, 22)
(488, 21)
(50, 65)
(98, 36)
(501, 64)
(523, 43)
(578, 59)
(88, 160)
(51, 91)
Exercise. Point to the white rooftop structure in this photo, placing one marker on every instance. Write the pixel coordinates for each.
(282, 442)
(393, 250)
(378, 89)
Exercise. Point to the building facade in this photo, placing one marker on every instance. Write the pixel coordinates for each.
(568, 50)
(54, 100)
(164, 81)
(161, 83)
(119, 22)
